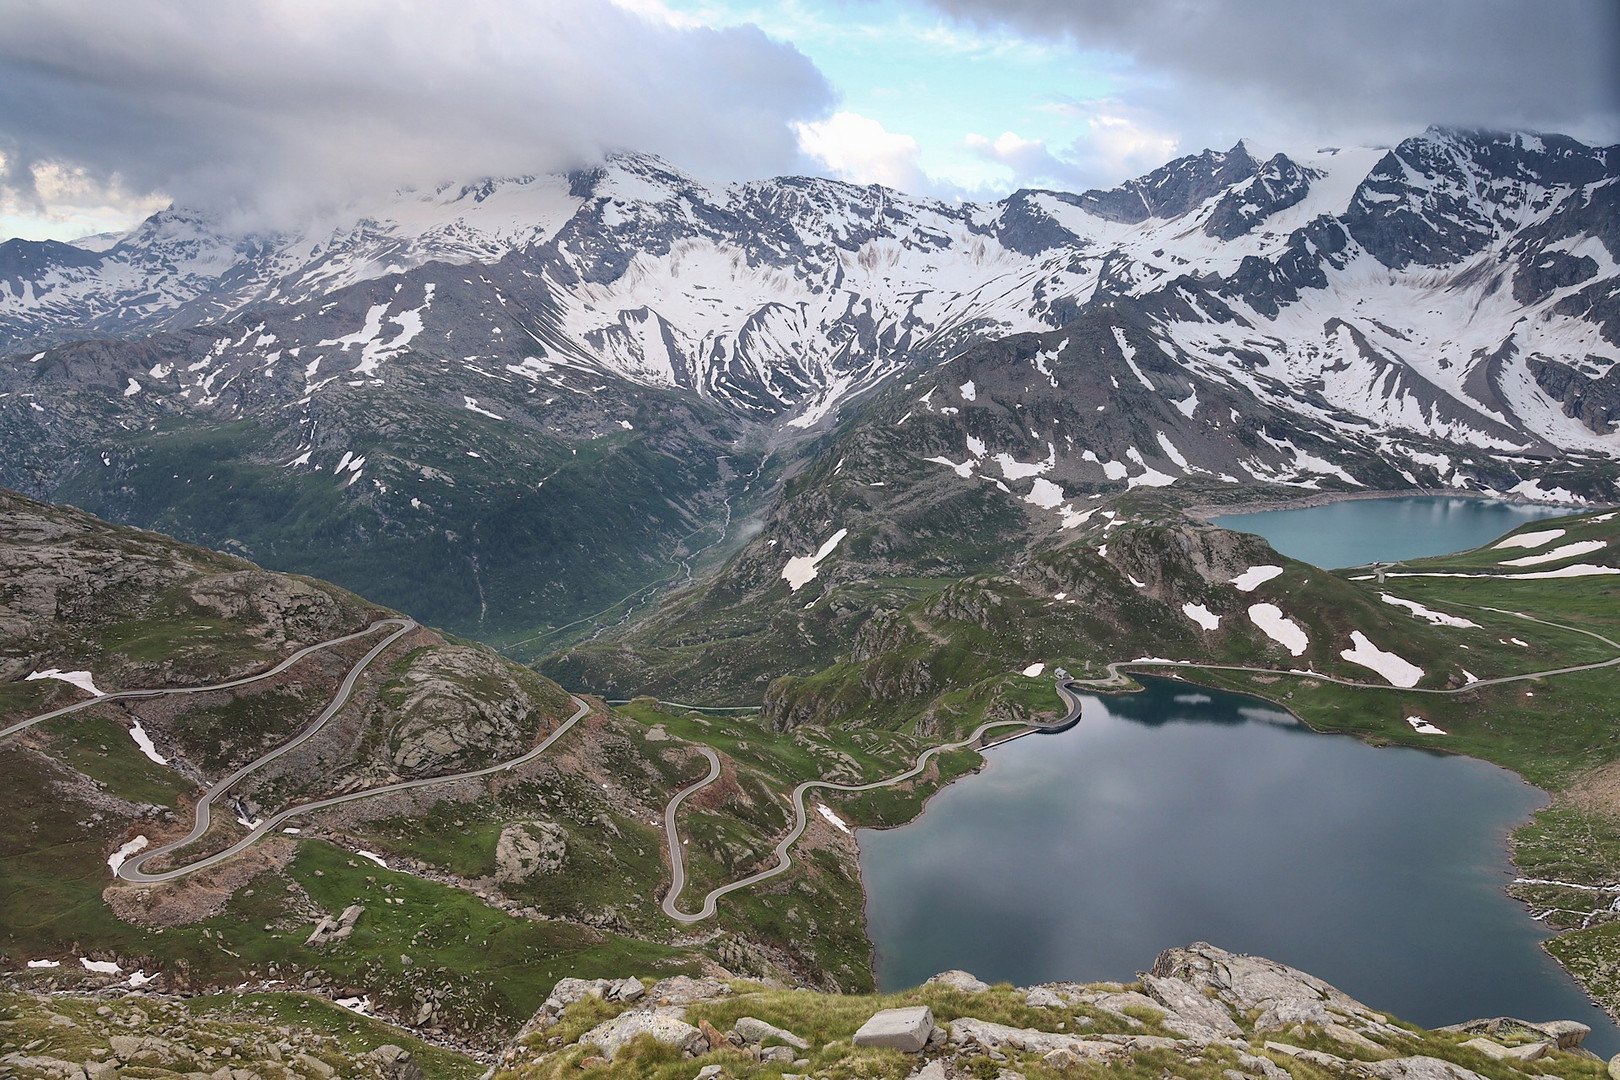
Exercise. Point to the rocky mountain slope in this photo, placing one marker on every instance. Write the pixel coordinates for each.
(447, 902)
(537, 399)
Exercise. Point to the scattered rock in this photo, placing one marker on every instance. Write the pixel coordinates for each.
(1419, 1068)
(707, 1072)
(685, 990)
(615, 1034)
(905, 1029)
(969, 1031)
(959, 980)
(396, 1063)
(1042, 998)
(330, 929)
(756, 1032)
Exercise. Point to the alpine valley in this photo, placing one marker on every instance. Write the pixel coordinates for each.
(620, 478)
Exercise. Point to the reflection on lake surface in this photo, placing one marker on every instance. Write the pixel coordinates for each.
(1358, 531)
(1184, 814)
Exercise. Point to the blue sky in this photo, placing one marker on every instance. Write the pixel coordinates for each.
(925, 101)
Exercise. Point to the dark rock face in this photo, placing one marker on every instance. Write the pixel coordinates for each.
(1538, 278)
(1277, 186)
(1594, 402)
(1445, 195)
(1173, 189)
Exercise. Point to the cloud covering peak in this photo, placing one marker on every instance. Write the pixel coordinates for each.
(273, 108)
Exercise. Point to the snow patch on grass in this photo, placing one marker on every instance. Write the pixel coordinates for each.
(1254, 577)
(1280, 628)
(833, 819)
(802, 568)
(81, 679)
(1531, 539)
(1399, 672)
(119, 857)
(1422, 726)
(1201, 615)
(144, 741)
(1435, 618)
(1034, 670)
(1563, 551)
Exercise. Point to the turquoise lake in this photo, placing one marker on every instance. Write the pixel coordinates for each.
(1357, 531)
(1184, 814)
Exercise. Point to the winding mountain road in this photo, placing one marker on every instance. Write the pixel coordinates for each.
(131, 869)
(1065, 688)
(125, 695)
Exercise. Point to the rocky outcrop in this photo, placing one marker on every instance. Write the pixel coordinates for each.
(1201, 1013)
(527, 848)
(462, 708)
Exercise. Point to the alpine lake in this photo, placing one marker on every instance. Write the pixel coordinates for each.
(1184, 814)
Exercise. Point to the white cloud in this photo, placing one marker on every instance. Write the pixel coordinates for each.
(860, 149)
(60, 201)
(1118, 142)
(266, 105)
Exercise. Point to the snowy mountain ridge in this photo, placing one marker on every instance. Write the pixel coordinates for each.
(1461, 287)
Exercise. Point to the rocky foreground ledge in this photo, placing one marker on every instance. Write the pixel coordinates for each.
(1201, 1014)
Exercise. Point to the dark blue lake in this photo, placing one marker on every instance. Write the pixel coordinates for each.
(1183, 814)
(1358, 531)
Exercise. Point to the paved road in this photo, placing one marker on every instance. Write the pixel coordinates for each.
(1066, 690)
(124, 695)
(131, 869)
(677, 861)
(801, 817)
(1117, 677)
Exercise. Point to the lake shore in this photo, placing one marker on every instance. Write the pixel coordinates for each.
(1306, 500)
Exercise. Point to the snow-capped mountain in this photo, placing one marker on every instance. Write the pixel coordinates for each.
(1461, 286)
(447, 376)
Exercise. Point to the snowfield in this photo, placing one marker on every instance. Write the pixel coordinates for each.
(1254, 577)
(802, 568)
(1396, 670)
(81, 679)
(1434, 618)
(1201, 615)
(1280, 628)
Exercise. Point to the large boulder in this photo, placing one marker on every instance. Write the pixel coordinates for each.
(527, 848)
(959, 980)
(755, 1032)
(902, 1029)
(616, 1034)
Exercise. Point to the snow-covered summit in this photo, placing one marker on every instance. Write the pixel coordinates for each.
(1461, 287)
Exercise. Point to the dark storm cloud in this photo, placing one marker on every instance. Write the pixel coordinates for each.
(267, 104)
(1348, 67)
